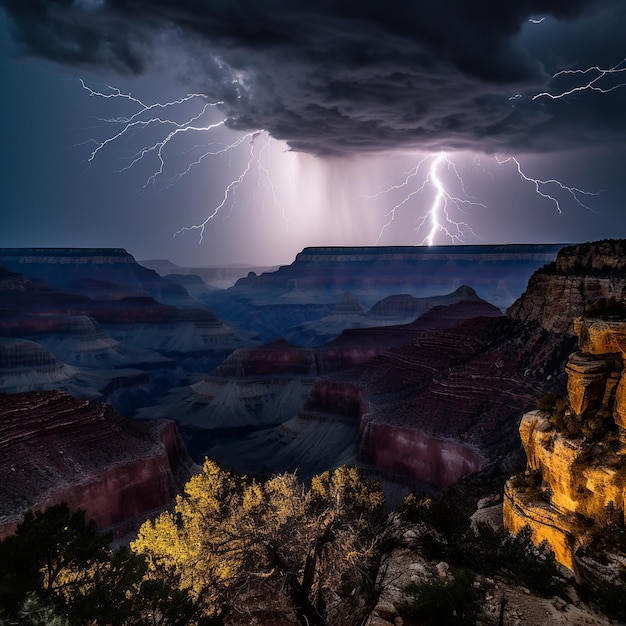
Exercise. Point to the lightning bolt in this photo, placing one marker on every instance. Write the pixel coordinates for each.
(542, 186)
(155, 116)
(597, 74)
(439, 218)
(535, 20)
(434, 174)
(228, 191)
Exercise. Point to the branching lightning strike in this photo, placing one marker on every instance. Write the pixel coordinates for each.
(442, 217)
(597, 75)
(439, 217)
(145, 117)
(542, 186)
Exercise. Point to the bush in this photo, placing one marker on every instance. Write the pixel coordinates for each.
(607, 308)
(492, 551)
(274, 546)
(528, 482)
(451, 600)
(447, 534)
(608, 597)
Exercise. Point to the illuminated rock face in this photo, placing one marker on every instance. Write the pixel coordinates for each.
(601, 336)
(586, 382)
(579, 462)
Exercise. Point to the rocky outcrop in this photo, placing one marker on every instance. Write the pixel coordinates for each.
(561, 291)
(212, 277)
(12, 281)
(575, 483)
(56, 448)
(403, 312)
(405, 305)
(278, 358)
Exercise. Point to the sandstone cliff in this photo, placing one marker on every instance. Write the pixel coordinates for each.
(56, 448)
(573, 491)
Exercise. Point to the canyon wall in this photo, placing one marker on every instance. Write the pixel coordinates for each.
(56, 448)
(560, 292)
(309, 288)
(574, 486)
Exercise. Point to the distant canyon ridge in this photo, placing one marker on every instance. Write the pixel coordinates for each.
(397, 359)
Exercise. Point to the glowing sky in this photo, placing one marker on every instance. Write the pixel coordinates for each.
(354, 95)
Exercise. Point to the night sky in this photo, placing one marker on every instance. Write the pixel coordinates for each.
(308, 117)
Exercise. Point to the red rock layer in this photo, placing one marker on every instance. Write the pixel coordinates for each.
(56, 448)
(450, 402)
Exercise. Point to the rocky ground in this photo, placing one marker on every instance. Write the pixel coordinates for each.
(521, 606)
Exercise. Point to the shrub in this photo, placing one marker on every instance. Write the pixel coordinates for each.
(607, 308)
(447, 534)
(274, 546)
(451, 600)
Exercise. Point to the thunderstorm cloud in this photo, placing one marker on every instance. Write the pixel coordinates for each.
(341, 77)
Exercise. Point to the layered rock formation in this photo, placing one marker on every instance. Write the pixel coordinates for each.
(575, 484)
(394, 311)
(311, 286)
(211, 277)
(560, 292)
(26, 365)
(100, 273)
(105, 337)
(56, 448)
(269, 384)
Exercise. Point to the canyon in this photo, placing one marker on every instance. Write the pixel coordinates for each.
(436, 392)
(273, 304)
(417, 385)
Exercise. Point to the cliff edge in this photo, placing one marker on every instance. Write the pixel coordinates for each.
(559, 292)
(56, 448)
(573, 492)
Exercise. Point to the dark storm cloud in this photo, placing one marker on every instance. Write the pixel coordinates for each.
(337, 76)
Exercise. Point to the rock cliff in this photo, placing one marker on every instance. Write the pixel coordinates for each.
(56, 448)
(560, 292)
(99, 339)
(573, 491)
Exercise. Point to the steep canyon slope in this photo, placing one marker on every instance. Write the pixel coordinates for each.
(573, 491)
(88, 321)
(56, 448)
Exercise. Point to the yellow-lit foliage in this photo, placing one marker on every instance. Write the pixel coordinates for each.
(270, 546)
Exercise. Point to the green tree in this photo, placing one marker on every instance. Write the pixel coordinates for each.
(275, 547)
(57, 569)
(49, 555)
